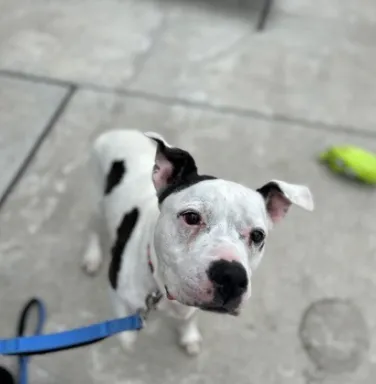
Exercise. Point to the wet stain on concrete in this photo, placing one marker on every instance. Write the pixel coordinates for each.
(334, 334)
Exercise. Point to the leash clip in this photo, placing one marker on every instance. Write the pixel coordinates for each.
(151, 303)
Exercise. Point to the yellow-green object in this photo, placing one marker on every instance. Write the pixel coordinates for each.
(352, 162)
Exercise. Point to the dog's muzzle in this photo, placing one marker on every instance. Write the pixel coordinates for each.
(230, 282)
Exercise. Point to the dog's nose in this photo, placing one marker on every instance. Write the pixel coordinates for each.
(229, 278)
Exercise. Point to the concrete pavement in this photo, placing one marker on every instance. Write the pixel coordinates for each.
(251, 107)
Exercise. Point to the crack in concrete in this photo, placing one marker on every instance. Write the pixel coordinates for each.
(141, 59)
(139, 63)
(30, 155)
(220, 109)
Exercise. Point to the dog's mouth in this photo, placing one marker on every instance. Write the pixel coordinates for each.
(206, 307)
(222, 310)
(168, 294)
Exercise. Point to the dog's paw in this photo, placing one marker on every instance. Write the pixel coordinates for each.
(92, 258)
(191, 341)
(192, 348)
(90, 267)
(127, 340)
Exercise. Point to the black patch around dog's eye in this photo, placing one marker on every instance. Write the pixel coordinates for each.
(114, 176)
(123, 233)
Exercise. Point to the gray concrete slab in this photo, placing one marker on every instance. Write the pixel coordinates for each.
(314, 61)
(340, 10)
(25, 111)
(326, 254)
(312, 67)
(96, 41)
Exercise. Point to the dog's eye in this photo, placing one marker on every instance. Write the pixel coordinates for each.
(191, 218)
(257, 236)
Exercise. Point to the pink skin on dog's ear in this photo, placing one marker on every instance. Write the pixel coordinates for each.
(279, 196)
(163, 168)
(171, 164)
(162, 172)
(277, 206)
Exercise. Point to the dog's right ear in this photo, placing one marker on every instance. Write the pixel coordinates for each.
(172, 165)
(279, 195)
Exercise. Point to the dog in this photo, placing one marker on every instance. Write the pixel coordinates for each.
(196, 239)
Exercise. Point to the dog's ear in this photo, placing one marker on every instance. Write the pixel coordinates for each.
(172, 165)
(279, 195)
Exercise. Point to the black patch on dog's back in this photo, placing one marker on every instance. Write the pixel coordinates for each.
(114, 176)
(123, 233)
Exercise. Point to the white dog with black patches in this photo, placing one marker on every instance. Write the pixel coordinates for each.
(197, 239)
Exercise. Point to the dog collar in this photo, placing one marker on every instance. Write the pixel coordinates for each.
(152, 270)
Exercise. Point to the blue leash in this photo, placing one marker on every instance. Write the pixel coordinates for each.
(24, 346)
(23, 360)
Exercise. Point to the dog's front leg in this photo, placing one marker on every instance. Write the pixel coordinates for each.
(189, 335)
(92, 258)
(127, 338)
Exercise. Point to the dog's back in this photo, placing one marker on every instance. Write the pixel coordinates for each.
(124, 161)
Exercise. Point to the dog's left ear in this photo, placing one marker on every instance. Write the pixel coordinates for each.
(172, 165)
(279, 196)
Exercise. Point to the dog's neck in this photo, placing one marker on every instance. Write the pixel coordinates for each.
(148, 244)
(152, 261)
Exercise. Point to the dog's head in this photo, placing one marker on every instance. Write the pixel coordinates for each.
(211, 233)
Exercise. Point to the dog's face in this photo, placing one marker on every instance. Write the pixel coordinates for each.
(211, 233)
